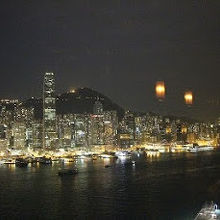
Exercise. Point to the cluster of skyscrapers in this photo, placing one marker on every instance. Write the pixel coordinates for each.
(19, 128)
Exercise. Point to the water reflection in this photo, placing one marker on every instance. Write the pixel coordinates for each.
(170, 185)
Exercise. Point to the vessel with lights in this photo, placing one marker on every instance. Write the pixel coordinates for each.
(208, 212)
(21, 162)
(195, 149)
(123, 154)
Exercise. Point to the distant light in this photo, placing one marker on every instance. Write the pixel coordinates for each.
(188, 96)
(160, 90)
(72, 91)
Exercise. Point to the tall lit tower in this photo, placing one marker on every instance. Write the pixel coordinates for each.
(49, 111)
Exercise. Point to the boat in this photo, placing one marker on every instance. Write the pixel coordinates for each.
(123, 154)
(106, 156)
(55, 159)
(65, 172)
(9, 161)
(195, 149)
(21, 162)
(208, 212)
(45, 160)
(67, 160)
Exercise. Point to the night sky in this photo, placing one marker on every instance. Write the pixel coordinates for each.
(117, 47)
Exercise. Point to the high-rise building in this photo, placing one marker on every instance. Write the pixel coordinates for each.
(49, 112)
(110, 127)
(97, 129)
(81, 130)
(18, 135)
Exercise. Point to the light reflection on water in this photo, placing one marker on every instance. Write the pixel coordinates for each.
(171, 186)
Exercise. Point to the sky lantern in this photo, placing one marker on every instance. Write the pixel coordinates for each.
(188, 96)
(160, 90)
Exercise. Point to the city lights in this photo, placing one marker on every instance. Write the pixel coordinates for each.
(98, 132)
(110, 109)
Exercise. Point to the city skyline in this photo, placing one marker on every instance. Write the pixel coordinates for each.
(121, 55)
(110, 109)
(21, 128)
(162, 105)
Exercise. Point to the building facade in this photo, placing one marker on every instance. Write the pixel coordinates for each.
(49, 112)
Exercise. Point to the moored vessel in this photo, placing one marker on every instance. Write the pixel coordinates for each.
(195, 149)
(9, 161)
(123, 154)
(45, 160)
(21, 162)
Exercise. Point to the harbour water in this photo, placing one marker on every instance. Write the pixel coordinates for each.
(169, 186)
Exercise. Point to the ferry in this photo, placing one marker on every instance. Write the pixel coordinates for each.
(208, 212)
(20, 162)
(9, 161)
(123, 154)
(195, 149)
(44, 160)
(67, 160)
(106, 156)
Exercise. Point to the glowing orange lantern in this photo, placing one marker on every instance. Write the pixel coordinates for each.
(160, 90)
(188, 96)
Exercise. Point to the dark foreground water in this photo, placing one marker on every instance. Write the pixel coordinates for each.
(173, 186)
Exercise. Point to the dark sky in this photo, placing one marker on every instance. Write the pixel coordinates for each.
(118, 47)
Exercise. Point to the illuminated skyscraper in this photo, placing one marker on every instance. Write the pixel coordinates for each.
(97, 124)
(49, 112)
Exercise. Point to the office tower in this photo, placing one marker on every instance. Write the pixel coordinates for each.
(126, 130)
(81, 130)
(110, 127)
(49, 112)
(97, 129)
(64, 130)
(19, 135)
